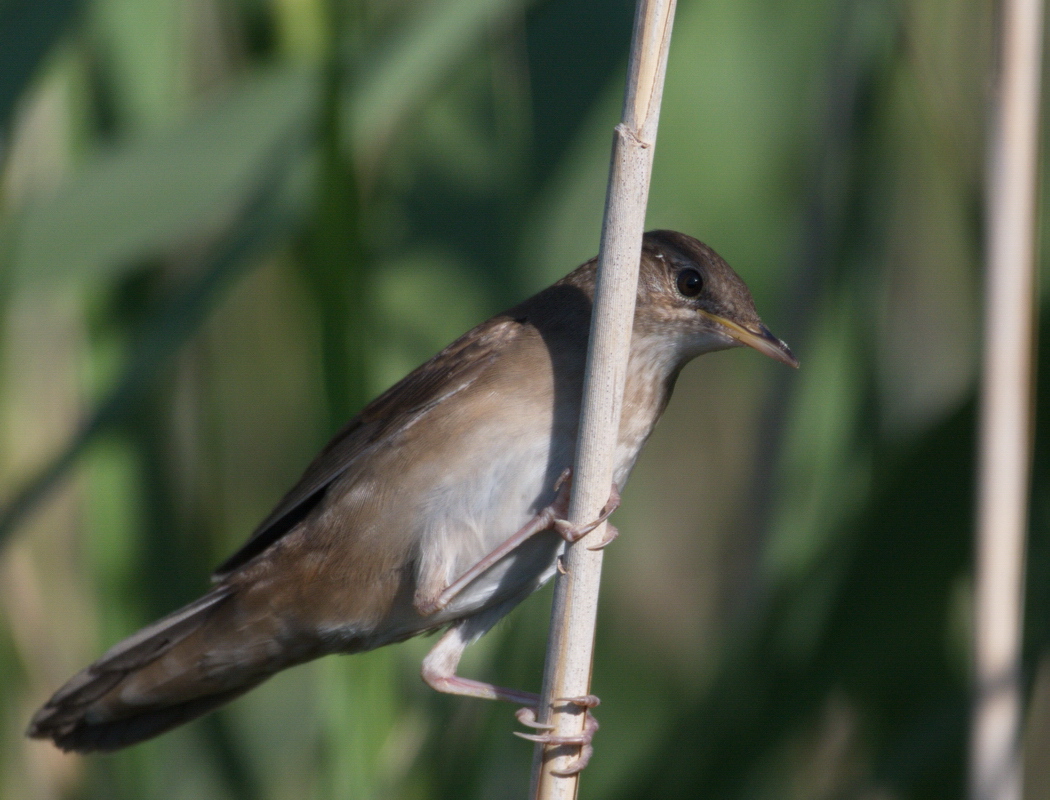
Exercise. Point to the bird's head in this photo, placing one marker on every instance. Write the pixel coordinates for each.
(686, 290)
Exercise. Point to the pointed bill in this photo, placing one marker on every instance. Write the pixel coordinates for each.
(759, 338)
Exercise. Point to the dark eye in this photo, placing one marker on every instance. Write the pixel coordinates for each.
(690, 283)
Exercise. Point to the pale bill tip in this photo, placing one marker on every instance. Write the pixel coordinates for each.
(761, 339)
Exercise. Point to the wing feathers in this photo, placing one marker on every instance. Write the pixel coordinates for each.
(451, 371)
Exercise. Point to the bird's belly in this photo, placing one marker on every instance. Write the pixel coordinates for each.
(512, 579)
(473, 514)
(456, 503)
(487, 502)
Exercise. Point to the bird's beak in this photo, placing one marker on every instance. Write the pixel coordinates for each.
(757, 337)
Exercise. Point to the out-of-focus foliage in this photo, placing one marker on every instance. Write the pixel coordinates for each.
(225, 224)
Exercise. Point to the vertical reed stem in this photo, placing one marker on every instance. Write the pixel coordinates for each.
(571, 643)
(1005, 420)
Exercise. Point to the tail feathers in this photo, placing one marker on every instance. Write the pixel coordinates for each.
(149, 683)
(73, 732)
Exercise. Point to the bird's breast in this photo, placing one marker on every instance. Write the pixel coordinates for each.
(490, 487)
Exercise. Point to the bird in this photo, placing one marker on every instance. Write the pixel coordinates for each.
(439, 507)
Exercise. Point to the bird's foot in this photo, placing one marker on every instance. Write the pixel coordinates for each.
(527, 716)
(573, 533)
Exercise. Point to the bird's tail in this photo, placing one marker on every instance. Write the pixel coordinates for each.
(168, 673)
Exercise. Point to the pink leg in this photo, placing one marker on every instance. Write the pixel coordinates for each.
(439, 672)
(550, 518)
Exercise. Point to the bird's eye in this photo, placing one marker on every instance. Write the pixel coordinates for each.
(690, 282)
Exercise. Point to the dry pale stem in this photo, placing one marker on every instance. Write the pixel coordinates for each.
(1005, 425)
(570, 647)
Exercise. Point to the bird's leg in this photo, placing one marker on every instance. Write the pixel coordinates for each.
(439, 672)
(550, 518)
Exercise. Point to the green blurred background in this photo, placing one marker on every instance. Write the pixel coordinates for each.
(226, 224)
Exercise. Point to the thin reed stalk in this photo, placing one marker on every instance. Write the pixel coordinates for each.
(1005, 420)
(571, 644)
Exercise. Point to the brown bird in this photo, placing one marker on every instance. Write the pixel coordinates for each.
(438, 506)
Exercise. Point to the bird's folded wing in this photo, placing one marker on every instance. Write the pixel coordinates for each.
(381, 422)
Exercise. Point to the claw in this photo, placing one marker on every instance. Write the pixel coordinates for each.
(582, 740)
(550, 739)
(527, 716)
(610, 536)
(577, 766)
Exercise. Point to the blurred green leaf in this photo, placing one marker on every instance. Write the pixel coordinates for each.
(261, 220)
(28, 29)
(405, 73)
(147, 63)
(149, 195)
